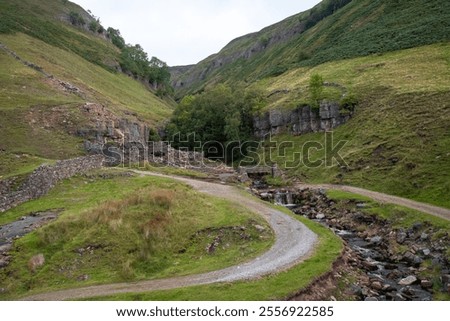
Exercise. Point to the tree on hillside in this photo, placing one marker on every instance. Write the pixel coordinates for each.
(220, 120)
(134, 60)
(76, 19)
(158, 72)
(116, 37)
(315, 90)
(96, 26)
(155, 72)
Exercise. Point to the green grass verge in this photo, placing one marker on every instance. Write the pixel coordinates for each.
(273, 287)
(338, 195)
(398, 216)
(121, 228)
(19, 164)
(169, 170)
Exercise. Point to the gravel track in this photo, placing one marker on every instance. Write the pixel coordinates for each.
(293, 243)
(385, 198)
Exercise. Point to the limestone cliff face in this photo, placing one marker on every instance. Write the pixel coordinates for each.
(299, 121)
(107, 128)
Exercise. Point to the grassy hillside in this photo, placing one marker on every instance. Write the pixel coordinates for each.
(397, 141)
(49, 21)
(37, 115)
(359, 28)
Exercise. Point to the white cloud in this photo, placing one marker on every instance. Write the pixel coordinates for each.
(184, 32)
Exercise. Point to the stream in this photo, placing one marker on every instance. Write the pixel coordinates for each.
(22, 226)
(390, 277)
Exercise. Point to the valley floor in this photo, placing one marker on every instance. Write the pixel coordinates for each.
(294, 243)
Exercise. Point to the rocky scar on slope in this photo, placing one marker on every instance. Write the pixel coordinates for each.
(386, 262)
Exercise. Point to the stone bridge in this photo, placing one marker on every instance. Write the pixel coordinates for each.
(259, 171)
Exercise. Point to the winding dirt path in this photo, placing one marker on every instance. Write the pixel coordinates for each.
(293, 243)
(385, 198)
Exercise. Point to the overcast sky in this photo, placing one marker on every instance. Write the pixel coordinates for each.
(185, 32)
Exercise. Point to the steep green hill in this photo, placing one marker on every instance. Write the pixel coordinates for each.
(53, 22)
(333, 30)
(50, 68)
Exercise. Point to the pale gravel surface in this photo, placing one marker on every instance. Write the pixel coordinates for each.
(293, 243)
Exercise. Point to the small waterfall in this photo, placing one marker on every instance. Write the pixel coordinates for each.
(289, 199)
(285, 199)
(280, 198)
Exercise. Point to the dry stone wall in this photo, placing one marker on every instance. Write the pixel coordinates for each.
(44, 178)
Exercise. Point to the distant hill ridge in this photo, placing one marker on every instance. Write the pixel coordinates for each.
(332, 30)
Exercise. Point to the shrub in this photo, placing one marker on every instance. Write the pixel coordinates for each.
(153, 136)
(93, 26)
(76, 19)
(116, 37)
(264, 41)
(315, 90)
(162, 198)
(275, 71)
(348, 102)
(303, 55)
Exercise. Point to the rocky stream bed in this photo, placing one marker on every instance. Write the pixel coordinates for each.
(24, 225)
(387, 263)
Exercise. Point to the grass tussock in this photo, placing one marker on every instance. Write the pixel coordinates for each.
(112, 212)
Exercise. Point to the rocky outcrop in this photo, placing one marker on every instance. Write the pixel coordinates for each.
(45, 177)
(107, 128)
(6, 185)
(299, 121)
(101, 125)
